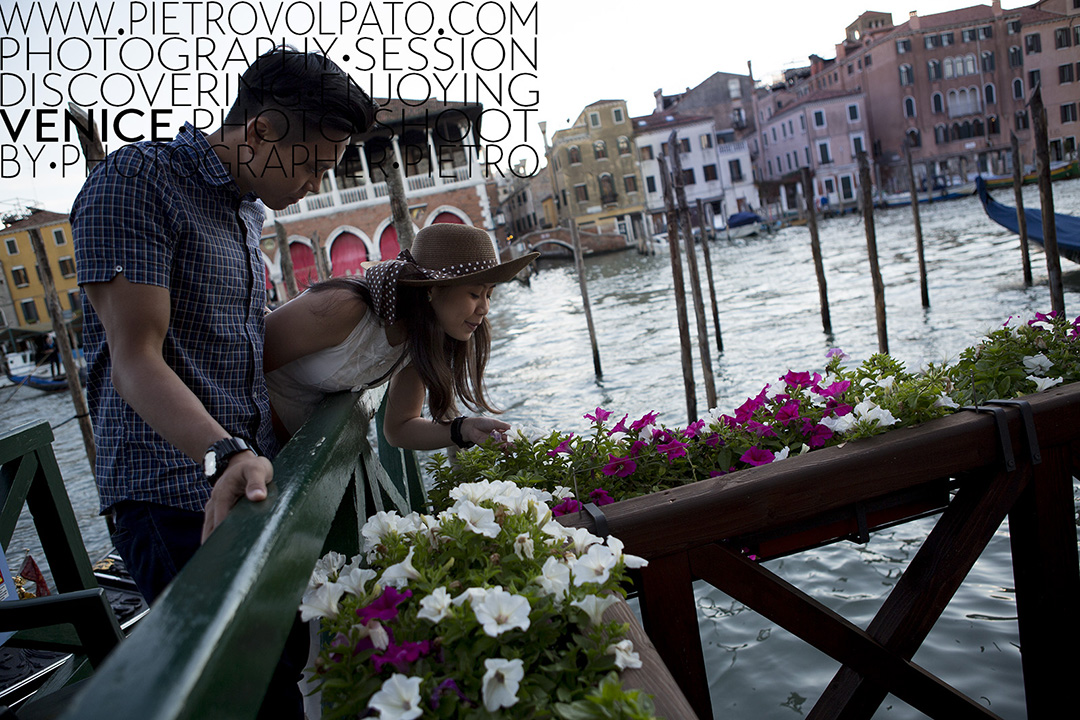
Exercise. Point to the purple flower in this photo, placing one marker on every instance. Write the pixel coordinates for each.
(694, 428)
(400, 656)
(839, 409)
(645, 420)
(757, 456)
(716, 473)
(760, 429)
(745, 411)
(788, 412)
(445, 686)
(567, 506)
(600, 496)
(797, 379)
(635, 447)
(600, 416)
(713, 440)
(619, 426)
(385, 606)
(819, 436)
(563, 447)
(1039, 317)
(673, 449)
(837, 388)
(836, 352)
(619, 467)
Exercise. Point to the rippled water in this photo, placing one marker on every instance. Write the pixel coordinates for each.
(541, 372)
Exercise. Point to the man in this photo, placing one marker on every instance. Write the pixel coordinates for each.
(167, 249)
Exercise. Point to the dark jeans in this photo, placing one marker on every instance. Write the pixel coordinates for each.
(156, 541)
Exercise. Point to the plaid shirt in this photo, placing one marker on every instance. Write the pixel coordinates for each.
(170, 215)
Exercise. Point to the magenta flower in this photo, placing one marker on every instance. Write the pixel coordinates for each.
(713, 440)
(567, 506)
(836, 352)
(760, 429)
(445, 686)
(635, 447)
(839, 409)
(400, 656)
(757, 456)
(563, 447)
(385, 606)
(600, 497)
(797, 379)
(837, 388)
(673, 449)
(645, 420)
(1039, 317)
(819, 435)
(600, 416)
(745, 411)
(619, 467)
(619, 426)
(716, 473)
(788, 412)
(694, 428)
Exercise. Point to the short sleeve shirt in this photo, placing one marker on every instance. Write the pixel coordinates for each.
(170, 215)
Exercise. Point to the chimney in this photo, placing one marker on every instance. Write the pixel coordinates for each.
(996, 5)
(913, 19)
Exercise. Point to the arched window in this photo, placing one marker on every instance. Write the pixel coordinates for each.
(909, 107)
(1018, 89)
(607, 189)
(949, 68)
(941, 134)
(914, 138)
(907, 77)
(938, 102)
(599, 149)
(977, 129)
(933, 70)
(988, 61)
(993, 125)
(624, 145)
(990, 95)
(573, 154)
(965, 130)
(969, 64)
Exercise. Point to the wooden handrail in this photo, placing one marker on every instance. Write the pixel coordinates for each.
(209, 645)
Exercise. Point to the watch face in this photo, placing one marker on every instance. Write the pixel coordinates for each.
(210, 464)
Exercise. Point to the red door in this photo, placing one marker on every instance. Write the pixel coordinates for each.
(346, 254)
(303, 260)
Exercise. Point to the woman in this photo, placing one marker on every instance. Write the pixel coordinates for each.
(417, 321)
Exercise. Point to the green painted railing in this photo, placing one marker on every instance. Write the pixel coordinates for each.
(209, 645)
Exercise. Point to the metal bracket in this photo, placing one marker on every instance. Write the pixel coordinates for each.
(1003, 431)
(863, 535)
(1029, 426)
(598, 518)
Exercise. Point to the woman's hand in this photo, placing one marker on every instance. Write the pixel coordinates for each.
(479, 429)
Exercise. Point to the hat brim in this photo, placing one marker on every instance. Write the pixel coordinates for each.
(500, 273)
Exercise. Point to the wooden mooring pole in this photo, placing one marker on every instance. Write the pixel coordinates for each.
(695, 276)
(923, 286)
(399, 207)
(680, 293)
(866, 192)
(1021, 218)
(63, 345)
(815, 250)
(1046, 197)
(709, 275)
(580, 264)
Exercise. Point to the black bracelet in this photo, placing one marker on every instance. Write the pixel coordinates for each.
(455, 433)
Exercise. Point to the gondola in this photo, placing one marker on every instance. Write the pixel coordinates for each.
(1068, 227)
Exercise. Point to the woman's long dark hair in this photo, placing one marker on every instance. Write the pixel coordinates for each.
(450, 369)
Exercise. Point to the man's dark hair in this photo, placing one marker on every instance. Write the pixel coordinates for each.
(309, 91)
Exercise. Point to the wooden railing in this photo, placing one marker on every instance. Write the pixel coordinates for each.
(209, 645)
(974, 468)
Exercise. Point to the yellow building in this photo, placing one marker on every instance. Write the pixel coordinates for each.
(22, 297)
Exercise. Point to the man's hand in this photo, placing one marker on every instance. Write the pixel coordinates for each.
(479, 429)
(246, 475)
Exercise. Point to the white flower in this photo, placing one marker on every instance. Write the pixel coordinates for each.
(870, 412)
(473, 594)
(379, 526)
(355, 580)
(625, 657)
(501, 681)
(326, 566)
(479, 520)
(1044, 383)
(523, 546)
(554, 578)
(630, 561)
(321, 602)
(839, 424)
(945, 402)
(782, 455)
(594, 606)
(582, 539)
(595, 565)
(1038, 364)
(500, 611)
(561, 493)
(436, 606)
(886, 382)
(380, 638)
(398, 698)
(400, 574)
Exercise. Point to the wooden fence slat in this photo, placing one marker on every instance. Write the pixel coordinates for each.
(927, 585)
(810, 620)
(1042, 531)
(669, 613)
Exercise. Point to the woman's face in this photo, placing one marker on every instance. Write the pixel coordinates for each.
(460, 309)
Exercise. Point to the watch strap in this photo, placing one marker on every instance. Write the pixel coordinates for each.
(455, 433)
(223, 450)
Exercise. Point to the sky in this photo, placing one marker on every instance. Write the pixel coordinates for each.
(584, 50)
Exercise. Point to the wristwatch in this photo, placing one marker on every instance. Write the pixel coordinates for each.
(217, 456)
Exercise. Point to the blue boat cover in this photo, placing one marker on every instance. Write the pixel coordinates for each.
(1067, 226)
(742, 218)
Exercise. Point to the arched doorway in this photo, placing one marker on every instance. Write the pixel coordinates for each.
(448, 217)
(346, 254)
(303, 260)
(388, 243)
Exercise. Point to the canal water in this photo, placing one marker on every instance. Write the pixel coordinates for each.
(541, 373)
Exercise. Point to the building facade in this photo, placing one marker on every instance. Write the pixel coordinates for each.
(597, 176)
(22, 279)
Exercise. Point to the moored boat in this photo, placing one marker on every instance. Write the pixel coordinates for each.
(1058, 171)
(948, 192)
(1067, 226)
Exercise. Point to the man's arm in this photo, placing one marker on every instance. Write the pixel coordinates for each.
(136, 317)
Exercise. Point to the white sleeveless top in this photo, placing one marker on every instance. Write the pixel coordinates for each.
(362, 360)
